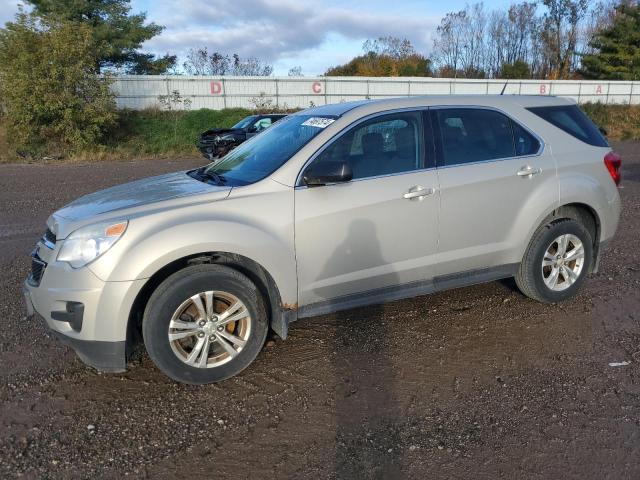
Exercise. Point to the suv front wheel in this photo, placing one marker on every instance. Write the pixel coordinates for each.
(204, 324)
(557, 261)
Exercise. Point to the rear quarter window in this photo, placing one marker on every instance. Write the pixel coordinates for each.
(572, 120)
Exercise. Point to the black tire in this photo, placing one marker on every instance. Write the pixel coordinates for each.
(530, 279)
(171, 293)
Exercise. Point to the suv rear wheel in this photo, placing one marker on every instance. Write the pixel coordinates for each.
(204, 324)
(557, 261)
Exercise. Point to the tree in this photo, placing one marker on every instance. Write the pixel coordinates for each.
(53, 99)
(117, 34)
(200, 62)
(389, 46)
(560, 34)
(149, 64)
(448, 43)
(617, 48)
(295, 72)
(518, 69)
(385, 57)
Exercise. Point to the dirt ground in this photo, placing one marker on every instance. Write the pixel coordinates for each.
(479, 382)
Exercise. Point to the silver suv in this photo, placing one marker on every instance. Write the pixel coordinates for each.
(332, 208)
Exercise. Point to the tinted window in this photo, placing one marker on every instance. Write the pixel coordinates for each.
(573, 121)
(245, 122)
(525, 143)
(381, 146)
(263, 154)
(473, 135)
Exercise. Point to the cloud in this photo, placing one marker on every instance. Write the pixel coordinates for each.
(276, 29)
(8, 9)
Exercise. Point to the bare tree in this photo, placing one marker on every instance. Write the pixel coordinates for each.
(200, 62)
(547, 35)
(250, 67)
(197, 62)
(393, 47)
(472, 58)
(601, 17)
(560, 34)
(296, 72)
(448, 43)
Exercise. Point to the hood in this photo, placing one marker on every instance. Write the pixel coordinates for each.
(221, 131)
(135, 194)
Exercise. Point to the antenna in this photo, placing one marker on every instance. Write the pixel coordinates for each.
(504, 88)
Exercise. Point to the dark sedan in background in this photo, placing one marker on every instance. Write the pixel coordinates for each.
(217, 142)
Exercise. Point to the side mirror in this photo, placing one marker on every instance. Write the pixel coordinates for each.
(323, 173)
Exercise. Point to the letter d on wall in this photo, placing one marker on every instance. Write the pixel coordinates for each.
(216, 88)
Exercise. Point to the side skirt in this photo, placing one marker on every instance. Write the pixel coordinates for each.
(408, 290)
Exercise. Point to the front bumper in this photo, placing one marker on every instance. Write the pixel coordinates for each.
(82, 311)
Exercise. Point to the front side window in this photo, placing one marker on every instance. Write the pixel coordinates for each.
(263, 154)
(384, 145)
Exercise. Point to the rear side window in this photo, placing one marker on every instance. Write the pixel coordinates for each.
(573, 121)
(525, 143)
(474, 135)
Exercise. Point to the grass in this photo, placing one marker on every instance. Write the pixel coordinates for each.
(155, 133)
(161, 134)
(622, 122)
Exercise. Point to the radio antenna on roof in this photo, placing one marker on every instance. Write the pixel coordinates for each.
(504, 88)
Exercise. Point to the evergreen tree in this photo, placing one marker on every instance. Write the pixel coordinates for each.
(116, 32)
(617, 47)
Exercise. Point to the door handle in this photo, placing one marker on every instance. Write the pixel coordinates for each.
(528, 171)
(418, 192)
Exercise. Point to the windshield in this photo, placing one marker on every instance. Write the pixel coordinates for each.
(245, 122)
(265, 153)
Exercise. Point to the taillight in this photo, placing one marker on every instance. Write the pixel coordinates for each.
(613, 161)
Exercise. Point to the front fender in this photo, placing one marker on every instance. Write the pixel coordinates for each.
(259, 227)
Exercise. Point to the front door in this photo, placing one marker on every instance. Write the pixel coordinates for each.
(381, 229)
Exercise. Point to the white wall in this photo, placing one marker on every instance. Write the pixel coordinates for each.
(142, 91)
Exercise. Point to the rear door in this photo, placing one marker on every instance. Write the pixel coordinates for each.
(492, 173)
(381, 229)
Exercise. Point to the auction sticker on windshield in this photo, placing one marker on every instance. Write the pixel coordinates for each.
(318, 122)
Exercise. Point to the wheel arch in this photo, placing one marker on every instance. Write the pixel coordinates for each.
(583, 213)
(279, 314)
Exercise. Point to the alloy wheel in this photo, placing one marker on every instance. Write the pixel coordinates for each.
(209, 329)
(563, 262)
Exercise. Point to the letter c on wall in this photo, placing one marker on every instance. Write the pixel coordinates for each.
(316, 87)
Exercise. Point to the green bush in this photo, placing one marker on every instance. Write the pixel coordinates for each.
(55, 104)
(621, 122)
(156, 132)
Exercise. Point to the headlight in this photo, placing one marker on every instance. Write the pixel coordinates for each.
(88, 243)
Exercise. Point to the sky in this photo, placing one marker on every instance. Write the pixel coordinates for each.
(314, 35)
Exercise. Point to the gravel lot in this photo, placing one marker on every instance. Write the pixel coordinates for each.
(479, 382)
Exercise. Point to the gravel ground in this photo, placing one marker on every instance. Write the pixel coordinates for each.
(478, 382)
